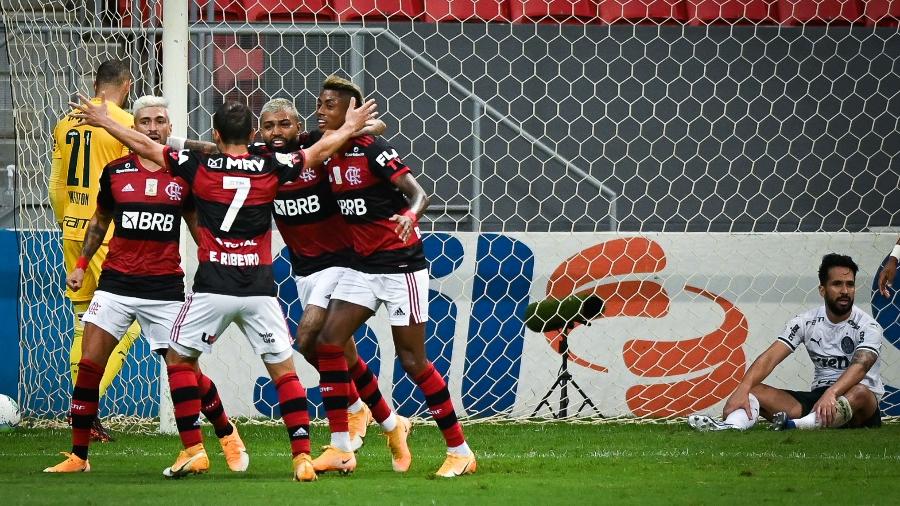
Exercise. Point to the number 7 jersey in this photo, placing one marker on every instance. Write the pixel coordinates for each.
(233, 196)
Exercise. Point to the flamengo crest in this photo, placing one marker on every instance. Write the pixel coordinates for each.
(173, 190)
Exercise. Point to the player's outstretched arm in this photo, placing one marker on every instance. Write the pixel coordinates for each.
(331, 140)
(886, 278)
(93, 238)
(825, 407)
(179, 143)
(418, 202)
(95, 115)
(761, 368)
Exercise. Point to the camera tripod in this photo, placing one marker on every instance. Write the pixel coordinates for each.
(563, 379)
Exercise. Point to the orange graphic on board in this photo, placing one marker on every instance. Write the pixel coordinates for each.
(714, 363)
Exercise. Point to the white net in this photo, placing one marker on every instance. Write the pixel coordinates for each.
(688, 163)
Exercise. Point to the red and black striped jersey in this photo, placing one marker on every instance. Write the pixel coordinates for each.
(362, 180)
(233, 196)
(307, 216)
(143, 259)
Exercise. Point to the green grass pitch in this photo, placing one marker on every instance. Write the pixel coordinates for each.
(554, 463)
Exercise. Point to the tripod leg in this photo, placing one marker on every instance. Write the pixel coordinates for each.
(587, 400)
(546, 399)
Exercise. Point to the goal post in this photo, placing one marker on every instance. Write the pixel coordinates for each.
(690, 175)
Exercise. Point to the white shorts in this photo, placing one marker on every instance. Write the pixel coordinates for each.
(115, 313)
(405, 295)
(205, 316)
(316, 289)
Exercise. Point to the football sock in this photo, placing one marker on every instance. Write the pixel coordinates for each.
(355, 406)
(462, 449)
(367, 384)
(119, 355)
(842, 415)
(294, 414)
(85, 399)
(440, 406)
(186, 400)
(738, 418)
(334, 382)
(389, 423)
(211, 406)
(78, 309)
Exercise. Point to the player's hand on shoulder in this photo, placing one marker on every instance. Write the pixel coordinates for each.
(88, 112)
(75, 279)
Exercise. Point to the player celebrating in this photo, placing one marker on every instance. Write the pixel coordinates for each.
(320, 246)
(372, 185)
(234, 191)
(141, 281)
(843, 343)
(79, 155)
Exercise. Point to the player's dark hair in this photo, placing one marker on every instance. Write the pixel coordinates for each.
(835, 260)
(344, 87)
(114, 72)
(233, 121)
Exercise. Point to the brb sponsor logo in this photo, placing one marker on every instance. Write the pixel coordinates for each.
(678, 375)
(298, 206)
(143, 220)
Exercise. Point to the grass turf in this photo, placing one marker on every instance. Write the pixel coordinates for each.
(517, 464)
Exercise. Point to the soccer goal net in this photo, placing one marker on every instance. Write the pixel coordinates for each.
(680, 167)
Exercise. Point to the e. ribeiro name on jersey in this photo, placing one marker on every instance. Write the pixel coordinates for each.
(233, 196)
(831, 346)
(361, 180)
(307, 216)
(143, 259)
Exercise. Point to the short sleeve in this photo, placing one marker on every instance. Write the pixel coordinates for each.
(288, 165)
(184, 163)
(870, 338)
(385, 162)
(105, 199)
(793, 333)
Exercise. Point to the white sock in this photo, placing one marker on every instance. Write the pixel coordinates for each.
(356, 406)
(808, 422)
(739, 419)
(462, 449)
(390, 423)
(341, 441)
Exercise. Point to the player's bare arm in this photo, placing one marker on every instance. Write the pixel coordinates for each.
(190, 219)
(761, 368)
(418, 202)
(95, 115)
(332, 140)
(862, 361)
(93, 238)
(886, 278)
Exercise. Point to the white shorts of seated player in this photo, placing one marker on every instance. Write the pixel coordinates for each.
(316, 289)
(205, 316)
(405, 295)
(115, 313)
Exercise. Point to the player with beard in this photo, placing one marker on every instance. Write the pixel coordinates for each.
(843, 343)
(321, 248)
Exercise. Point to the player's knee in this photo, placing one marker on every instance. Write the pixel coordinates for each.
(861, 399)
(412, 364)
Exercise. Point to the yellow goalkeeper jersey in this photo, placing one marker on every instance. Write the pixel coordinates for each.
(80, 153)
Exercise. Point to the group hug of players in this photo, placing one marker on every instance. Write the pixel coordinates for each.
(347, 207)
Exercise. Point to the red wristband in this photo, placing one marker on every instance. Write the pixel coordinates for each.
(411, 215)
(82, 263)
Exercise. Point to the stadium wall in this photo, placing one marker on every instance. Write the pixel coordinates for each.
(724, 298)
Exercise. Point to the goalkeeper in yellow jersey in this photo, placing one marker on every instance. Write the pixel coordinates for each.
(79, 154)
